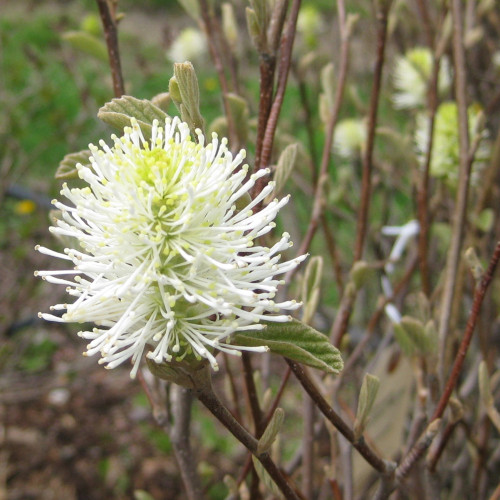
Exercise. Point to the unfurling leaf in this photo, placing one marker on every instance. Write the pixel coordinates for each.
(311, 288)
(67, 167)
(118, 113)
(87, 43)
(297, 341)
(484, 385)
(285, 166)
(403, 339)
(272, 430)
(266, 478)
(367, 396)
(189, 91)
(474, 264)
(230, 26)
(254, 28)
(361, 272)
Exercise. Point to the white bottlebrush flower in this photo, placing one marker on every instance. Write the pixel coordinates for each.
(412, 73)
(163, 261)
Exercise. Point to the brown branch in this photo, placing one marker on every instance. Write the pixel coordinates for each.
(367, 453)
(418, 450)
(267, 69)
(318, 207)
(283, 70)
(366, 179)
(252, 393)
(375, 318)
(436, 455)
(111, 36)
(469, 330)
(179, 434)
(207, 396)
(341, 322)
(459, 219)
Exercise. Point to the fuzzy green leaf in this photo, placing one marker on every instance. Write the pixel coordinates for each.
(118, 113)
(296, 341)
(67, 167)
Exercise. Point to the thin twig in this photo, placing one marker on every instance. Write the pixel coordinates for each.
(368, 454)
(253, 399)
(436, 454)
(318, 207)
(469, 330)
(283, 70)
(341, 322)
(208, 27)
(366, 179)
(267, 69)
(111, 36)
(179, 434)
(208, 397)
(308, 447)
(417, 450)
(459, 219)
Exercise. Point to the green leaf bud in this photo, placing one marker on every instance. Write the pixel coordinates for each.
(367, 396)
(272, 430)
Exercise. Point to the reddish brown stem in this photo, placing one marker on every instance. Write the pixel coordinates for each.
(366, 180)
(368, 454)
(111, 36)
(469, 330)
(283, 70)
(252, 394)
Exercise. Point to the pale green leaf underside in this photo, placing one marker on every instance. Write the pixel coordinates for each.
(118, 113)
(296, 341)
(67, 167)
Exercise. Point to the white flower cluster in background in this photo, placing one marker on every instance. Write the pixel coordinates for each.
(445, 157)
(411, 76)
(350, 138)
(190, 45)
(163, 261)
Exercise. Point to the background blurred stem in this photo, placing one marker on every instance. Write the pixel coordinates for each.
(341, 322)
(319, 198)
(459, 218)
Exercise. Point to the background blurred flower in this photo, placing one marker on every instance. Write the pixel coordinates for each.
(445, 149)
(166, 263)
(350, 137)
(190, 45)
(412, 73)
